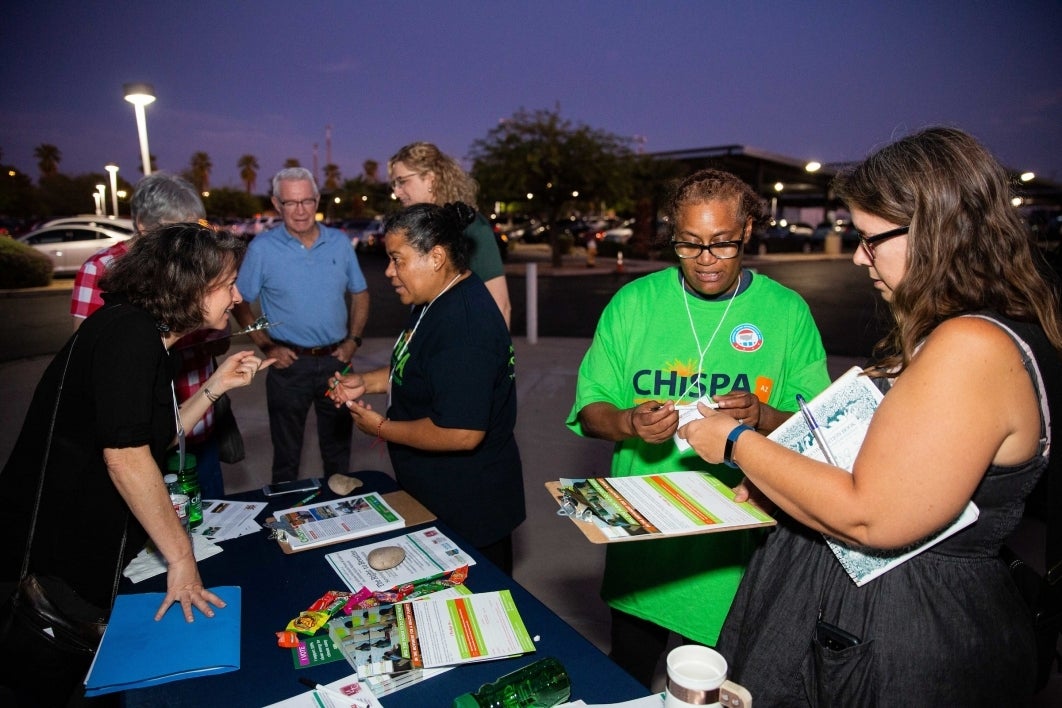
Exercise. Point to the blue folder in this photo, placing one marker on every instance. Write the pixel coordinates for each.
(137, 651)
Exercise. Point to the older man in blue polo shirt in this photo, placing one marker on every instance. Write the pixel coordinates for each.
(300, 273)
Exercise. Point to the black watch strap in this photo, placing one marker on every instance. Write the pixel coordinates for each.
(355, 338)
(728, 451)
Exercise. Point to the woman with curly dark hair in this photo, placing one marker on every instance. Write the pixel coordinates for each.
(971, 379)
(451, 385)
(100, 425)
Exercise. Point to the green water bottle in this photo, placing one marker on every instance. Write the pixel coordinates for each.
(541, 684)
(188, 483)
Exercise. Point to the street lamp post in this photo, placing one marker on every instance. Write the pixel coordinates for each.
(113, 169)
(101, 189)
(141, 95)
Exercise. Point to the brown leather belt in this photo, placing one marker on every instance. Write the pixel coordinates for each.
(323, 350)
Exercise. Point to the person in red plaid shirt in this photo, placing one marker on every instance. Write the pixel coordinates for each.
(160, 199)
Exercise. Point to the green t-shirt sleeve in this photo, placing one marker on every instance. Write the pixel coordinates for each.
(601, 369)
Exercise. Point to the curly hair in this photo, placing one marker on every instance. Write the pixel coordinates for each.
(429, 225)
(452, 184)
(709, 185)
(967, 249)
(169, 270)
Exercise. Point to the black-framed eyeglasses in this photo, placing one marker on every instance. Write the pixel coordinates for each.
(867, 242)
(304, 203)
(400, 180)
(723, 250)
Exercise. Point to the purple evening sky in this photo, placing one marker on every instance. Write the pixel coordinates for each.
(814, 79)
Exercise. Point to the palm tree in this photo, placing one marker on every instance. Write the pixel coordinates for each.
(331, 172)
(200, 172)
(369, 168)
(248, 165)
(291, 162)
(48, 159)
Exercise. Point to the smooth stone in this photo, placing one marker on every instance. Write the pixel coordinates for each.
(343, 485)
(386, 557)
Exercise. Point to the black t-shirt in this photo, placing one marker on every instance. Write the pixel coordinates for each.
(116, 394)
(458, 370)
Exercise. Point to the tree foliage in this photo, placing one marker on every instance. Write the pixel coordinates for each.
(48, 159)
(564, 166)
(225, 202)
(248, 165)
(199, 171)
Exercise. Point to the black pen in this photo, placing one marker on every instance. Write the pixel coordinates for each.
(816, 431)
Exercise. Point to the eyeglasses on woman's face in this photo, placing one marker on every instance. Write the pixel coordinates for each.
(867, 242)
(723, 250)
(400, 180)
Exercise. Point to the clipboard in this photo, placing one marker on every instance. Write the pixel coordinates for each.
(595, 535)
(413, 513)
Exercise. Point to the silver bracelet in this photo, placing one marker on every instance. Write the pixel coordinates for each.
(211, 396)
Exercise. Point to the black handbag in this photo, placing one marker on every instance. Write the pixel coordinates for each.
(43, 613)
(226, 432)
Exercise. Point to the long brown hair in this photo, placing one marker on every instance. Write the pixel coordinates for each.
(967, 249)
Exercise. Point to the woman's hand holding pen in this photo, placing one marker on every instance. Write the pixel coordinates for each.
(345, 387)
(654, 422)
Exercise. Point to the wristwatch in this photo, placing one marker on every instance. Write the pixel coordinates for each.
(728, 451)
(354, 338)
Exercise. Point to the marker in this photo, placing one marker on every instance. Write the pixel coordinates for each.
(309, 498)
(816, 431)
(347, 700)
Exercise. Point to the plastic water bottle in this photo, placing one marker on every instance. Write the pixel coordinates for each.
(178, 498)
(188, 482)
(541, 684)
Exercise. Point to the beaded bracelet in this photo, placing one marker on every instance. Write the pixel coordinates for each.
(379, 429)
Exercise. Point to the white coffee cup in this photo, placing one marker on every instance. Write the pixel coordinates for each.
(694, 675)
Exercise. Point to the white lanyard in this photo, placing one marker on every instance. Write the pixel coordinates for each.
(693, 329)
(402, 343)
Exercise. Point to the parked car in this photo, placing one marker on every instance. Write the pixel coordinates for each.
(111, 222)
(365, 234)
(620, 234)
(70, 245)
(783, 236)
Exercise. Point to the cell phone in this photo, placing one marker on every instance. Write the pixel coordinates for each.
(310, 484)
(833, 637)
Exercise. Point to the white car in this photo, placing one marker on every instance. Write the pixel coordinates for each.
(110, 222)
(70, 245)
(620, 234)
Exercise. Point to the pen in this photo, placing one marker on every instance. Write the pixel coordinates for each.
(347, 700)
(816, 431)
(344, 372)
(309, 498)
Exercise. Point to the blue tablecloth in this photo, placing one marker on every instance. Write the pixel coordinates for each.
(277, 586)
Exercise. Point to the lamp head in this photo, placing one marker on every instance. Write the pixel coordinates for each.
(139, 94)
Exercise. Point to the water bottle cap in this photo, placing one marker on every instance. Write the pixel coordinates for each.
(169, 478)
(173, 464)
(466, 700)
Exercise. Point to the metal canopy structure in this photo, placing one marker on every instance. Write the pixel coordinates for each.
(801, 188)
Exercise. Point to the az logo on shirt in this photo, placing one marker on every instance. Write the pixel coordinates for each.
(746, 338)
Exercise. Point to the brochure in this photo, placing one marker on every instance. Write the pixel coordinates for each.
(224, 519)
(369, 638)
(478, 627)
(338, 520)
(429, 554)
(613, 509)
(843, 412)
(137, 652)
